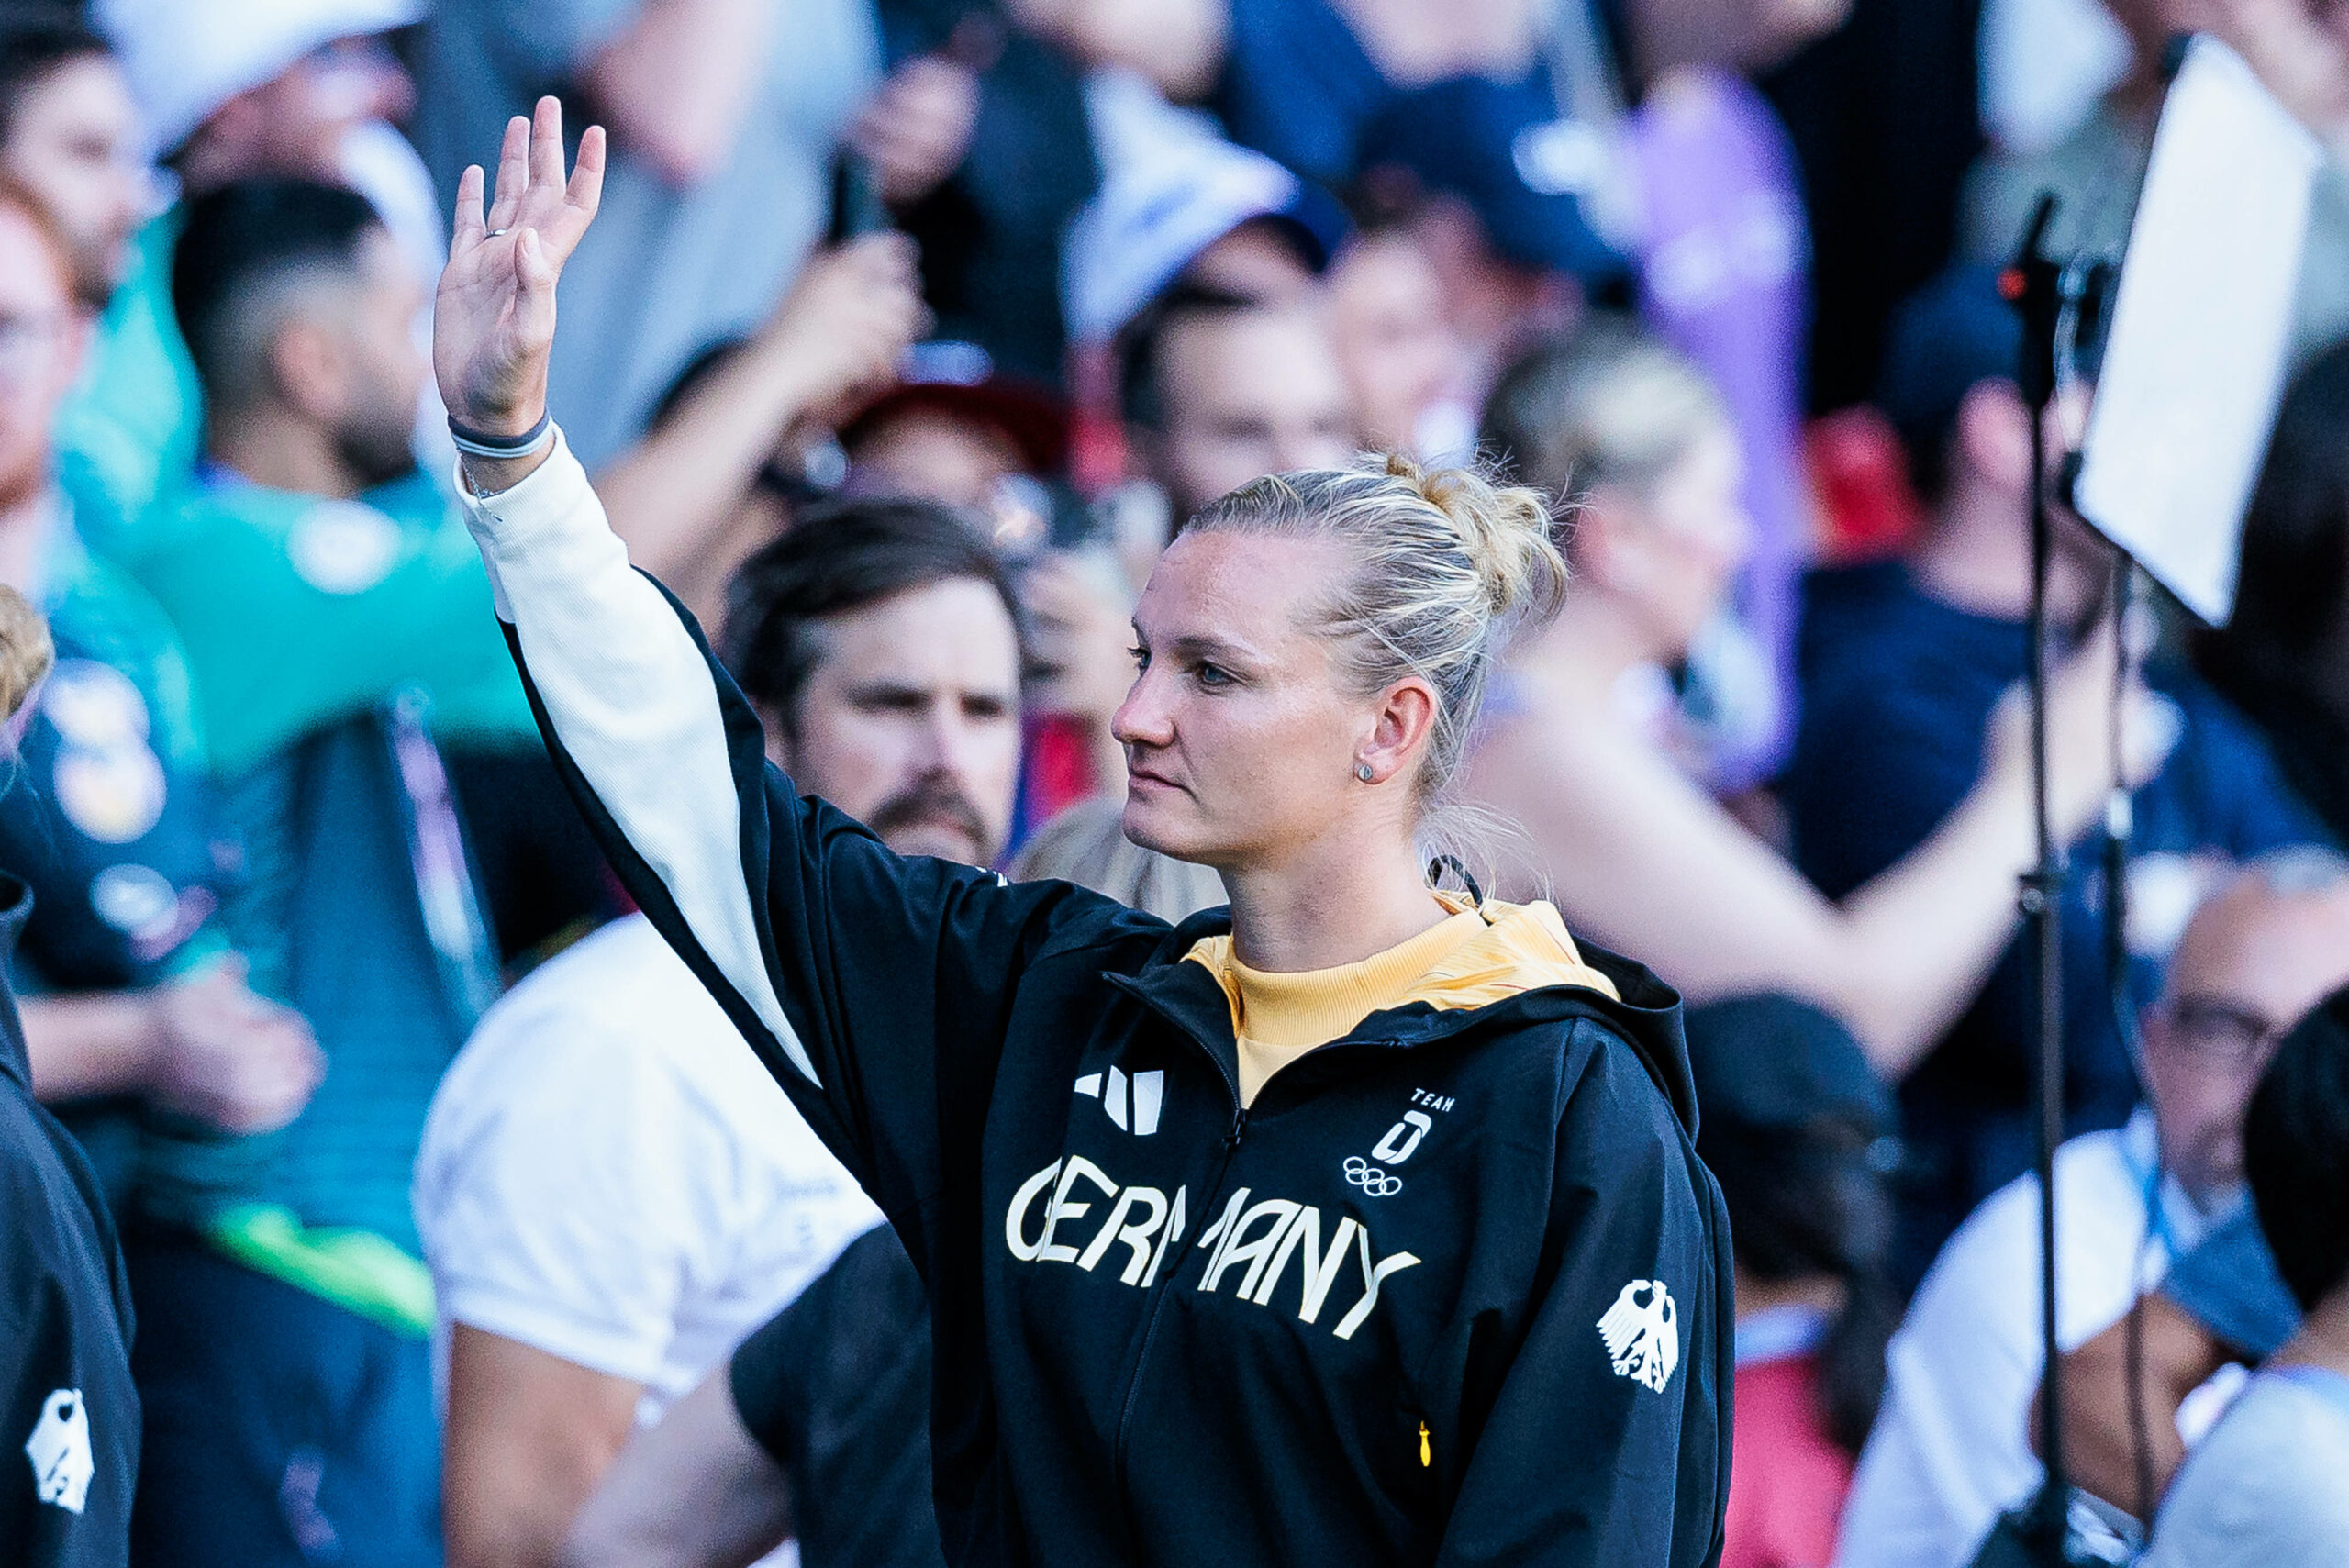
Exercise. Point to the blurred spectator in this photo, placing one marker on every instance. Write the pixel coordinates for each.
(70, 134)
(330, 616)
(70, 131)
(906, 713)
(1723, 253)
(1582, 745)
(1219, 389)
(713, 481)
(299, 88)
(2283, 657)
(1408, 367)
(818, 1415)
(1178, 202)
(65, 1359)
(2097, 170)
(312, 518)
(983, 149)
(582, 1294)
(2265, 1487)
(1903, 663)
(2221, 1307)
(138, 1017)
(1331, 87)
(724, 116)
(1794, 1126)
(1950, 1451)
(956, 430)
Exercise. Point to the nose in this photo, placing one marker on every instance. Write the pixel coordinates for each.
(1144, 718)
(947, 743)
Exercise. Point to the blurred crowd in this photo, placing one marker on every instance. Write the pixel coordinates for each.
(455, 1222)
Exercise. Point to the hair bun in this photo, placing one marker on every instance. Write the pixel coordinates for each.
(26, 651)
(1504, 529)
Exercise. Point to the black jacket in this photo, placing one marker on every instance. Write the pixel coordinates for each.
(1455, 1290)
(69, 1417)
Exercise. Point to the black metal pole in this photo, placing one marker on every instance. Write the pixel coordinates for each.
(2033, 286)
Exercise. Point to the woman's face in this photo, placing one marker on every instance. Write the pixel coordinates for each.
(1679, 542)
(1239, 740)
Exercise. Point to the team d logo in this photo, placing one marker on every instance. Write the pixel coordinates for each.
(59, 1450)
(1642, 1334)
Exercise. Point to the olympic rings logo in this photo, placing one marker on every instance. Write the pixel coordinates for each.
(1371, 1179)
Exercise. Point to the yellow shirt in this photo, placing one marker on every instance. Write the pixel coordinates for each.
(1475, 956)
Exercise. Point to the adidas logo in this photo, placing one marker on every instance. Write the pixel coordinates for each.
(1133, 1102)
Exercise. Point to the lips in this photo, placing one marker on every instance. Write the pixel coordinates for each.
(1145, 776)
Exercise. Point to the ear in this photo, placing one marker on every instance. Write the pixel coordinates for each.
(308, 362)
(1401, 726)
(1994, 433)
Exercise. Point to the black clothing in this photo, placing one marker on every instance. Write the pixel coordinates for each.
(1885, 119)
(69, 1416)
(836, 1389)
(990, 233)
(1426, 1300)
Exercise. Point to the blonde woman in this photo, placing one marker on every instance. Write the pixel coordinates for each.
(1357, 1223)
(1583, 753)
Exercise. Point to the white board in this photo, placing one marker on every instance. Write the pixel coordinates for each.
(2201, 330)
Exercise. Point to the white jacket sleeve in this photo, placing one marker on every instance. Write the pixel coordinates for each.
(631, 701)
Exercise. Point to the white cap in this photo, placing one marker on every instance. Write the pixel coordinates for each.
(1172, 188)
(186, 58)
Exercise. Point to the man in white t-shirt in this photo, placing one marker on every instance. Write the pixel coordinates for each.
(611, 1190)
(1951, 1449)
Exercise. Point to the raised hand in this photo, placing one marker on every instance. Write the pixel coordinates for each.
(493, 318)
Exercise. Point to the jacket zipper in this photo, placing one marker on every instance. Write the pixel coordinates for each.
(1165, 1281)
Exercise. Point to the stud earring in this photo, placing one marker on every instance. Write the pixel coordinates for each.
(1362, 770)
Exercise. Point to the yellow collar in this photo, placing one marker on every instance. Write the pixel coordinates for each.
(1480, 955)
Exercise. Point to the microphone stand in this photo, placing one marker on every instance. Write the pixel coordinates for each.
(2032, 284)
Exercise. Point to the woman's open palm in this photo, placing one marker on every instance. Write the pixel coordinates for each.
(493, 318)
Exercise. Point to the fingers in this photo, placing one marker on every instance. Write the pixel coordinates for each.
(586, 189)
(513, 174)
(470, 224)
(546, 144)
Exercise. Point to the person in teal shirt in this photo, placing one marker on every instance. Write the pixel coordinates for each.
(342, 636)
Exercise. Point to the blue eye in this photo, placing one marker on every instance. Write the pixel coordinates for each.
(1214, 676)
(1140, 656)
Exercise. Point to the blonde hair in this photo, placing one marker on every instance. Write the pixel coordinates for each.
(26, 651)
(1447, 565)
(1610, 404)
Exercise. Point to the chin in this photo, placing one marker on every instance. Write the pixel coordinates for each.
(944, 843)
(1148, 824)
